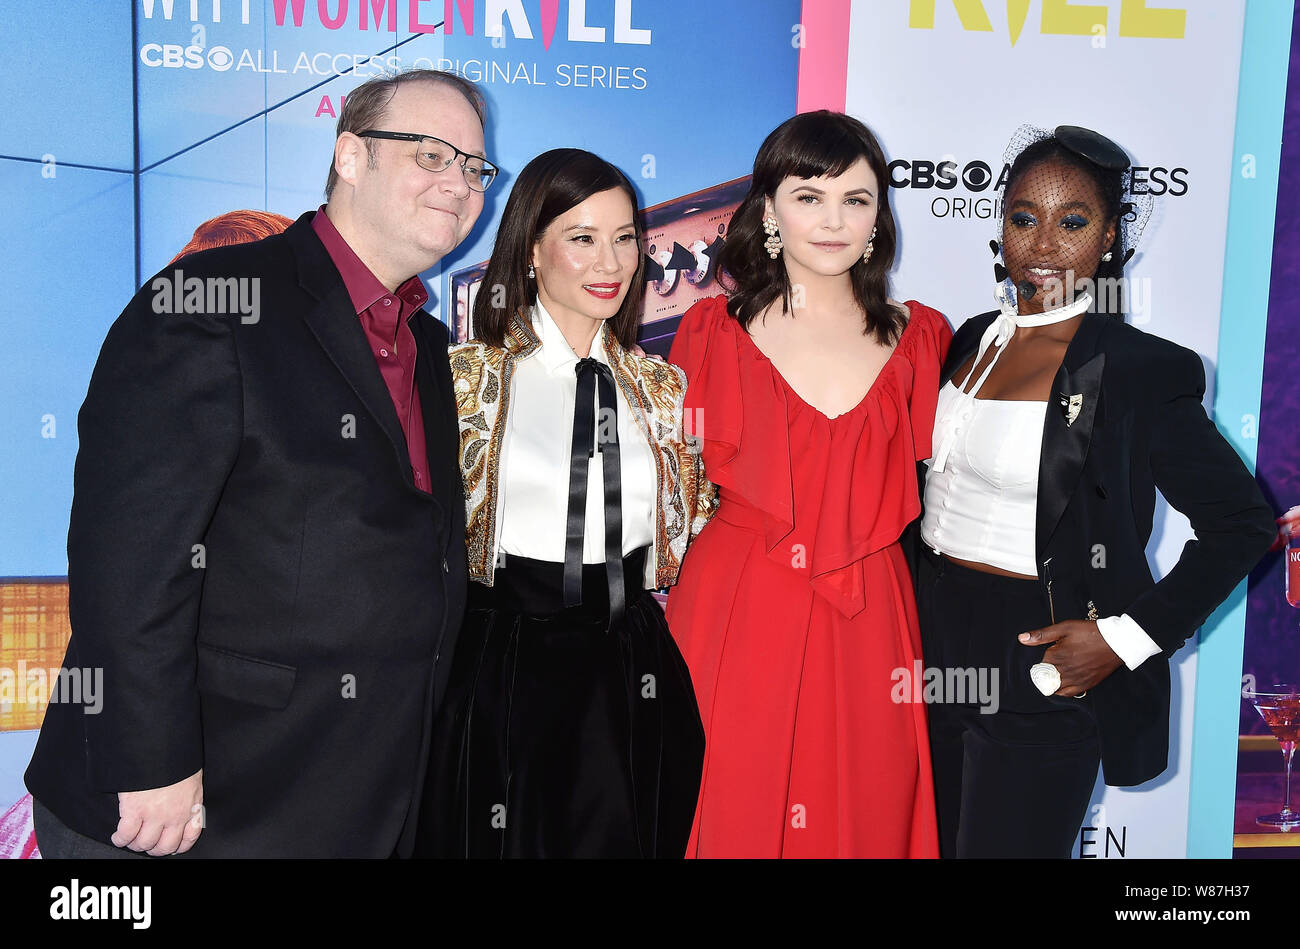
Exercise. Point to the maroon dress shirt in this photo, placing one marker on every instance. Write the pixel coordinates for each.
(384, 318)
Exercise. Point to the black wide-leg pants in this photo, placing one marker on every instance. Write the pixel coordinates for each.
(1015, 781)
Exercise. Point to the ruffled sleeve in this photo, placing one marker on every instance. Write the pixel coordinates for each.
(725, 403)
(928, 353)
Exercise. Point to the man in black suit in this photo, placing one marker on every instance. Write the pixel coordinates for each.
(266, 550)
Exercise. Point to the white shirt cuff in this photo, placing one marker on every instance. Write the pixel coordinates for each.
(1127, 639)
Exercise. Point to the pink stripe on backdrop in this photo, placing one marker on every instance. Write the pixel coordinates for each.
(550, 13)
(824, 57)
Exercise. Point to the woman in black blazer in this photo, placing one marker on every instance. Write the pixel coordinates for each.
(1031, 562)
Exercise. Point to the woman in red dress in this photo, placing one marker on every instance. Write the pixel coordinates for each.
(812, 396)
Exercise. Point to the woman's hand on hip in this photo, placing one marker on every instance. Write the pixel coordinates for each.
(1078, 651)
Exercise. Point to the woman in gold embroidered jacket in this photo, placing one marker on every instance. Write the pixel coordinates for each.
(571, 727)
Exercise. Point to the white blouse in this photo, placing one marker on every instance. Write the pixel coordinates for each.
(535, 452)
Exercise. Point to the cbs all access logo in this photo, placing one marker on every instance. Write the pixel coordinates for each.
(175, 56)
(974, 190)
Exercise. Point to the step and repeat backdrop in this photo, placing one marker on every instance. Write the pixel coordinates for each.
(131, 121)
(977, 72)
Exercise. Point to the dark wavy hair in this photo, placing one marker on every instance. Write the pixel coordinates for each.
(551, 184)
(1109, 184)
(808, 146)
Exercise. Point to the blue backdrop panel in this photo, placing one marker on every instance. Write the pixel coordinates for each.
(69, 270)
(67, 82)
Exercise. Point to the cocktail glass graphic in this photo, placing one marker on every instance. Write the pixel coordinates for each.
(1279, 706)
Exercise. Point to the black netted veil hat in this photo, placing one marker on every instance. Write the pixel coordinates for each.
(1083, 146)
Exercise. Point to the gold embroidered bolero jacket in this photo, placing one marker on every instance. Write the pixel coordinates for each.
(482, 375)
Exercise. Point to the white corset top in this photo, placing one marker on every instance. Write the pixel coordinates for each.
(981, 494)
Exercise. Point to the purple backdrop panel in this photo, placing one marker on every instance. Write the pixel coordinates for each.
(1272, 647)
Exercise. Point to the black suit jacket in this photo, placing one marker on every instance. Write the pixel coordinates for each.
(270, 597)
(1140, 426)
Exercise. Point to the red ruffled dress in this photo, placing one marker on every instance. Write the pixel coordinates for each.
(794, 608)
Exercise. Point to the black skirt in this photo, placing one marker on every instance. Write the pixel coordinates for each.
(559, 737)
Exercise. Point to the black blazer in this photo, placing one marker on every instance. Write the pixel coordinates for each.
(298, 655)
(1140, 426)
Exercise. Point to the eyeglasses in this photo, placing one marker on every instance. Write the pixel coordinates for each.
(436, 155)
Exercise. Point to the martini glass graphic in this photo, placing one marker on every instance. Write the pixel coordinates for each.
(1279, 706)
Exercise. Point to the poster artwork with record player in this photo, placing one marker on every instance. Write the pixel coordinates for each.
(683, 238)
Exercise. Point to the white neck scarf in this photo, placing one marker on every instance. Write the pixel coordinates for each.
(998, 334)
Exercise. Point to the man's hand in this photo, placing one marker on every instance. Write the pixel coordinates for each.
(161, 821)
(1079, 653)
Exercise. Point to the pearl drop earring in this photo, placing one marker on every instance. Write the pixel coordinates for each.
(773, 243)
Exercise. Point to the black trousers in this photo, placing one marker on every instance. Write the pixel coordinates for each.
(1014, 782)
(57, 841)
